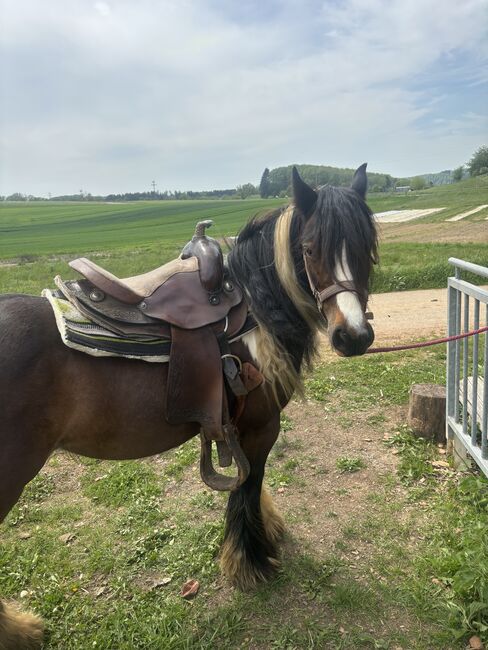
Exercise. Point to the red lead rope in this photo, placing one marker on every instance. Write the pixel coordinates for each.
(425, 344)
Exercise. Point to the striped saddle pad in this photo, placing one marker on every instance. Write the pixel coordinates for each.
(79, 333)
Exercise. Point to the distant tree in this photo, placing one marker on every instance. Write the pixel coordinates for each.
(246, 190)
(17, 196)
(417, 183)
(457, 174)
(478, 164)
(265, 185)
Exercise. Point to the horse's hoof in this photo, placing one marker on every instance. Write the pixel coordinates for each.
(19, 630)
(243, 573)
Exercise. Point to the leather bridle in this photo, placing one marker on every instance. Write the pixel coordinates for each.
(329, 292)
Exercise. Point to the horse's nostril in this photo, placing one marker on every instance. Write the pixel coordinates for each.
(341, 339)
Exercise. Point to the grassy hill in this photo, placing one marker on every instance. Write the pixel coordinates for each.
(456, 198)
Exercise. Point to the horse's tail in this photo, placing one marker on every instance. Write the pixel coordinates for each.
(19, 630)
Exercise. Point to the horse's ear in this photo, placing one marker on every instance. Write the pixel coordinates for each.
(360, 181)
(304, 196)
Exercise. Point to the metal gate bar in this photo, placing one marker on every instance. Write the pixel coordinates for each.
(465, 421)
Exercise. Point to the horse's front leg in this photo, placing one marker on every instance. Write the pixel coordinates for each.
(253, 525)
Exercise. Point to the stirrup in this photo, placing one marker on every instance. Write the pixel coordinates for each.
(212, 478)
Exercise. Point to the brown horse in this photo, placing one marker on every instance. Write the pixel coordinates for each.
(302, 269)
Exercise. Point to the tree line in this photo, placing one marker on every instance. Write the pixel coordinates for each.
(476, 166)
(277, 183)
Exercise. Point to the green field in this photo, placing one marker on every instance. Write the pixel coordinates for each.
(50, 228)
(38, 238)
(455, 198)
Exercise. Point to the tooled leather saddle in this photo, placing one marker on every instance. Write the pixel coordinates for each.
(191, 301)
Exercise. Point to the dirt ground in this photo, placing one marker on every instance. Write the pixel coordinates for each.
(406, 315)
(409, 315)
(444, 232)
(399, 317)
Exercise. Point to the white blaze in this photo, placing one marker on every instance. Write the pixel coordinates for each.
(347, 301)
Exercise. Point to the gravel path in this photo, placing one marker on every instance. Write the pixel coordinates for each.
(405, 315)
(409, 315)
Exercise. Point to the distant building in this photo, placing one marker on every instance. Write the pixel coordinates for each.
(403, 188)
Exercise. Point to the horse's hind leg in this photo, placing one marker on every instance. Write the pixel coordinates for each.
(253, 526)
(18, 630)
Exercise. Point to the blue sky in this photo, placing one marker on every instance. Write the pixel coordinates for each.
(108, 95)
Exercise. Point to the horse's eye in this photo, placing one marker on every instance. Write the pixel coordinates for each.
(308, 251)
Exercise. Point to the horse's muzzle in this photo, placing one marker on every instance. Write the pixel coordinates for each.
(349, 343)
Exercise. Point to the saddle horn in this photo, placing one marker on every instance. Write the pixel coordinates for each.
(210, 260)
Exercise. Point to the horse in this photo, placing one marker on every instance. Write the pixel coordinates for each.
(303, 269)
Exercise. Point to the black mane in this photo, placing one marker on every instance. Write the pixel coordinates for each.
(340, 218)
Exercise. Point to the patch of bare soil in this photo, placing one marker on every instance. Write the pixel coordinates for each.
(409, 315)
(325, 500)
(440, 232)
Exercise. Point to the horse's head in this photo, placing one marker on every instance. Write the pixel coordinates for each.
(338, 241)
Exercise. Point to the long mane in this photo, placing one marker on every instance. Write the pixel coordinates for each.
(267, 263)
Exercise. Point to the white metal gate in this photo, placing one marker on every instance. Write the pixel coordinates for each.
(467, 363)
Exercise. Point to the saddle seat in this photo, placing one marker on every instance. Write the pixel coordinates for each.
(134, 289)
(189, 292)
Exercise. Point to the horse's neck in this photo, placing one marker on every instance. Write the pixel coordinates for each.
(273, 308)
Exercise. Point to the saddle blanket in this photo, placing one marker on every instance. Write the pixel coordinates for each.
(79, 333)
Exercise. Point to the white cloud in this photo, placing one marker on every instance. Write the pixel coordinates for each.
(103, 8)
(108, 96)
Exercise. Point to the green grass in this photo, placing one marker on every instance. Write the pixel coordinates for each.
(379, 380)
(416, 555)
(409, 571)
(121, 484)
(40, 238)
(448, 575)
(455, 198)
(347, 464)
(49, 228)
(405, 266)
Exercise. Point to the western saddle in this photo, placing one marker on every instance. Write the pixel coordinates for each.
(191, 301)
